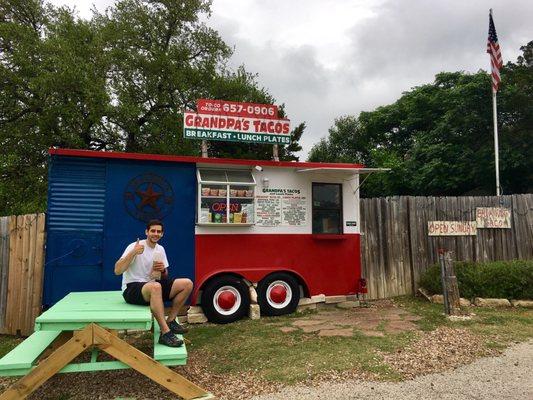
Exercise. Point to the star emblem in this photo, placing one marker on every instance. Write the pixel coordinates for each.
(148, 197)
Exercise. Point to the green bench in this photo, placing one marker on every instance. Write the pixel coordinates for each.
(90, 315)
(168, 355)
(21, 359)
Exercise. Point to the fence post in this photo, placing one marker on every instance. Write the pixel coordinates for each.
(443, 280)
(450, 289)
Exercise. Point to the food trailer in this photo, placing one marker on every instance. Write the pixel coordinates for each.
(290, 229)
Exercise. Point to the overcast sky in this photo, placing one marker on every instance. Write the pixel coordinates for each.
(328, 58)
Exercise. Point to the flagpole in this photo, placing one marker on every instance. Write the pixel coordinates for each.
(493, 49)
(496, 150)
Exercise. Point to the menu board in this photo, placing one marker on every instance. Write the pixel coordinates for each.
(267, 211)
(281, 206)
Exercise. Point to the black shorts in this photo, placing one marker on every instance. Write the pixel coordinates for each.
(133, 292)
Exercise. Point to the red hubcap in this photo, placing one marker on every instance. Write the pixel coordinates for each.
(278, 294)
(226, 300)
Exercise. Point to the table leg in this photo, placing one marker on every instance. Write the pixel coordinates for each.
(146, 365)
(81, 341)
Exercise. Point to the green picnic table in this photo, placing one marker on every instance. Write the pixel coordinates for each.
(89, 321)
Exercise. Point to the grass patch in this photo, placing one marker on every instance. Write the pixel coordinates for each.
(499, 326)
(8, 343)
(289, 357)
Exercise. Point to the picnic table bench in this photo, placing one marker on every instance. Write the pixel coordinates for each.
(88, 321)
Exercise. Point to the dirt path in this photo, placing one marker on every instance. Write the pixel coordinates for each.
(507, 377)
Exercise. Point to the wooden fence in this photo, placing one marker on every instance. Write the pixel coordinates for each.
(396, 248)
(21, 272)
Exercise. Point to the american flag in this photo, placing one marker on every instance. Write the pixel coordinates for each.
(493, 48)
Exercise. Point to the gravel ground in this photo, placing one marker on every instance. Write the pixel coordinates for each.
(504, 377)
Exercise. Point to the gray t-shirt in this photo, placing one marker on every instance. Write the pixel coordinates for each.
(141, 267)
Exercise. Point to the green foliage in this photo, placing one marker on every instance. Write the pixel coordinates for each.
(498, 279)
(438, 138)
(119, 81)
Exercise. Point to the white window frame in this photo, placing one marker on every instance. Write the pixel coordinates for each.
(226, 183)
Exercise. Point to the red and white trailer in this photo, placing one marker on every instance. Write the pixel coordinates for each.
(290, 229)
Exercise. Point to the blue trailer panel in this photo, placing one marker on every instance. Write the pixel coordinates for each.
(98, 206)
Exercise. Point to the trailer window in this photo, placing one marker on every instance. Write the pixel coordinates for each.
(327, 208)
(225, 197)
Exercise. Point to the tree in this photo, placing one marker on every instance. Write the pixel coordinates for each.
(438, 138)
(53, 94)
(119, 81)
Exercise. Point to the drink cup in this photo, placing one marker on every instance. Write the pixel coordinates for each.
(158, 257)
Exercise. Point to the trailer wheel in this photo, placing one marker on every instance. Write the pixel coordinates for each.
(225, 299)
(278, 294)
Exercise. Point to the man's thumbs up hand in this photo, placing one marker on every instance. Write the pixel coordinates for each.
(138, 248)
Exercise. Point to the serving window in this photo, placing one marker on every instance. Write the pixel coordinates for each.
(327, 208)
(225, 197)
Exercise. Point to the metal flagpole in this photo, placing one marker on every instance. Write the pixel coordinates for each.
(493, 48)
(496, 158)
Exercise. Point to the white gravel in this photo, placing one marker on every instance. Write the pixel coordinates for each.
(509, 376)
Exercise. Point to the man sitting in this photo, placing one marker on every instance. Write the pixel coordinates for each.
(145, 281)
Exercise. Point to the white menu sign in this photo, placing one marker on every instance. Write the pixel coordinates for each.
(281, 206)
(267, 211)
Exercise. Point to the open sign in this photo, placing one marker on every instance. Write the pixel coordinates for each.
(220, 207)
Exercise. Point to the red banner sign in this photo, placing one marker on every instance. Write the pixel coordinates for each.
(237, 109)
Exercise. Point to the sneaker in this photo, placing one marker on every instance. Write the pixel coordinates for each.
(170, 340)
(176, 328)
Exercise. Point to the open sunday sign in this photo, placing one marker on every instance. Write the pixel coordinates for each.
(236, 122)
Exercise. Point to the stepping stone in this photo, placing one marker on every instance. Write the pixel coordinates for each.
(287, 329)
(307, 322)
(347, 332)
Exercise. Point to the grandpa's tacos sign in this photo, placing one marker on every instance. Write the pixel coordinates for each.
(236, 122)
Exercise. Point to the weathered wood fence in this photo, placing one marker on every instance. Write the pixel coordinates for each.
(396, 247)
(21, 272)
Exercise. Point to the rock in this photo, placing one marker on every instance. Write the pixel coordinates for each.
(182, 319)
(456, 318)
(307, 322)
(522, 303)
(424, 293)
(464, 302)
(335, 299)
(306, 307)
(437, 298)
(287, 329)
(480, 302)
(352, 297)
(254, 312)
(305, 301)
(319, 298)
(198, 318)
(195, 310)
(347, 332)
(348, 304)
(253, 295)
(311, 300)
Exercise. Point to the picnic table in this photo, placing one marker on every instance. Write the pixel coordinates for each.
(89, 321)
